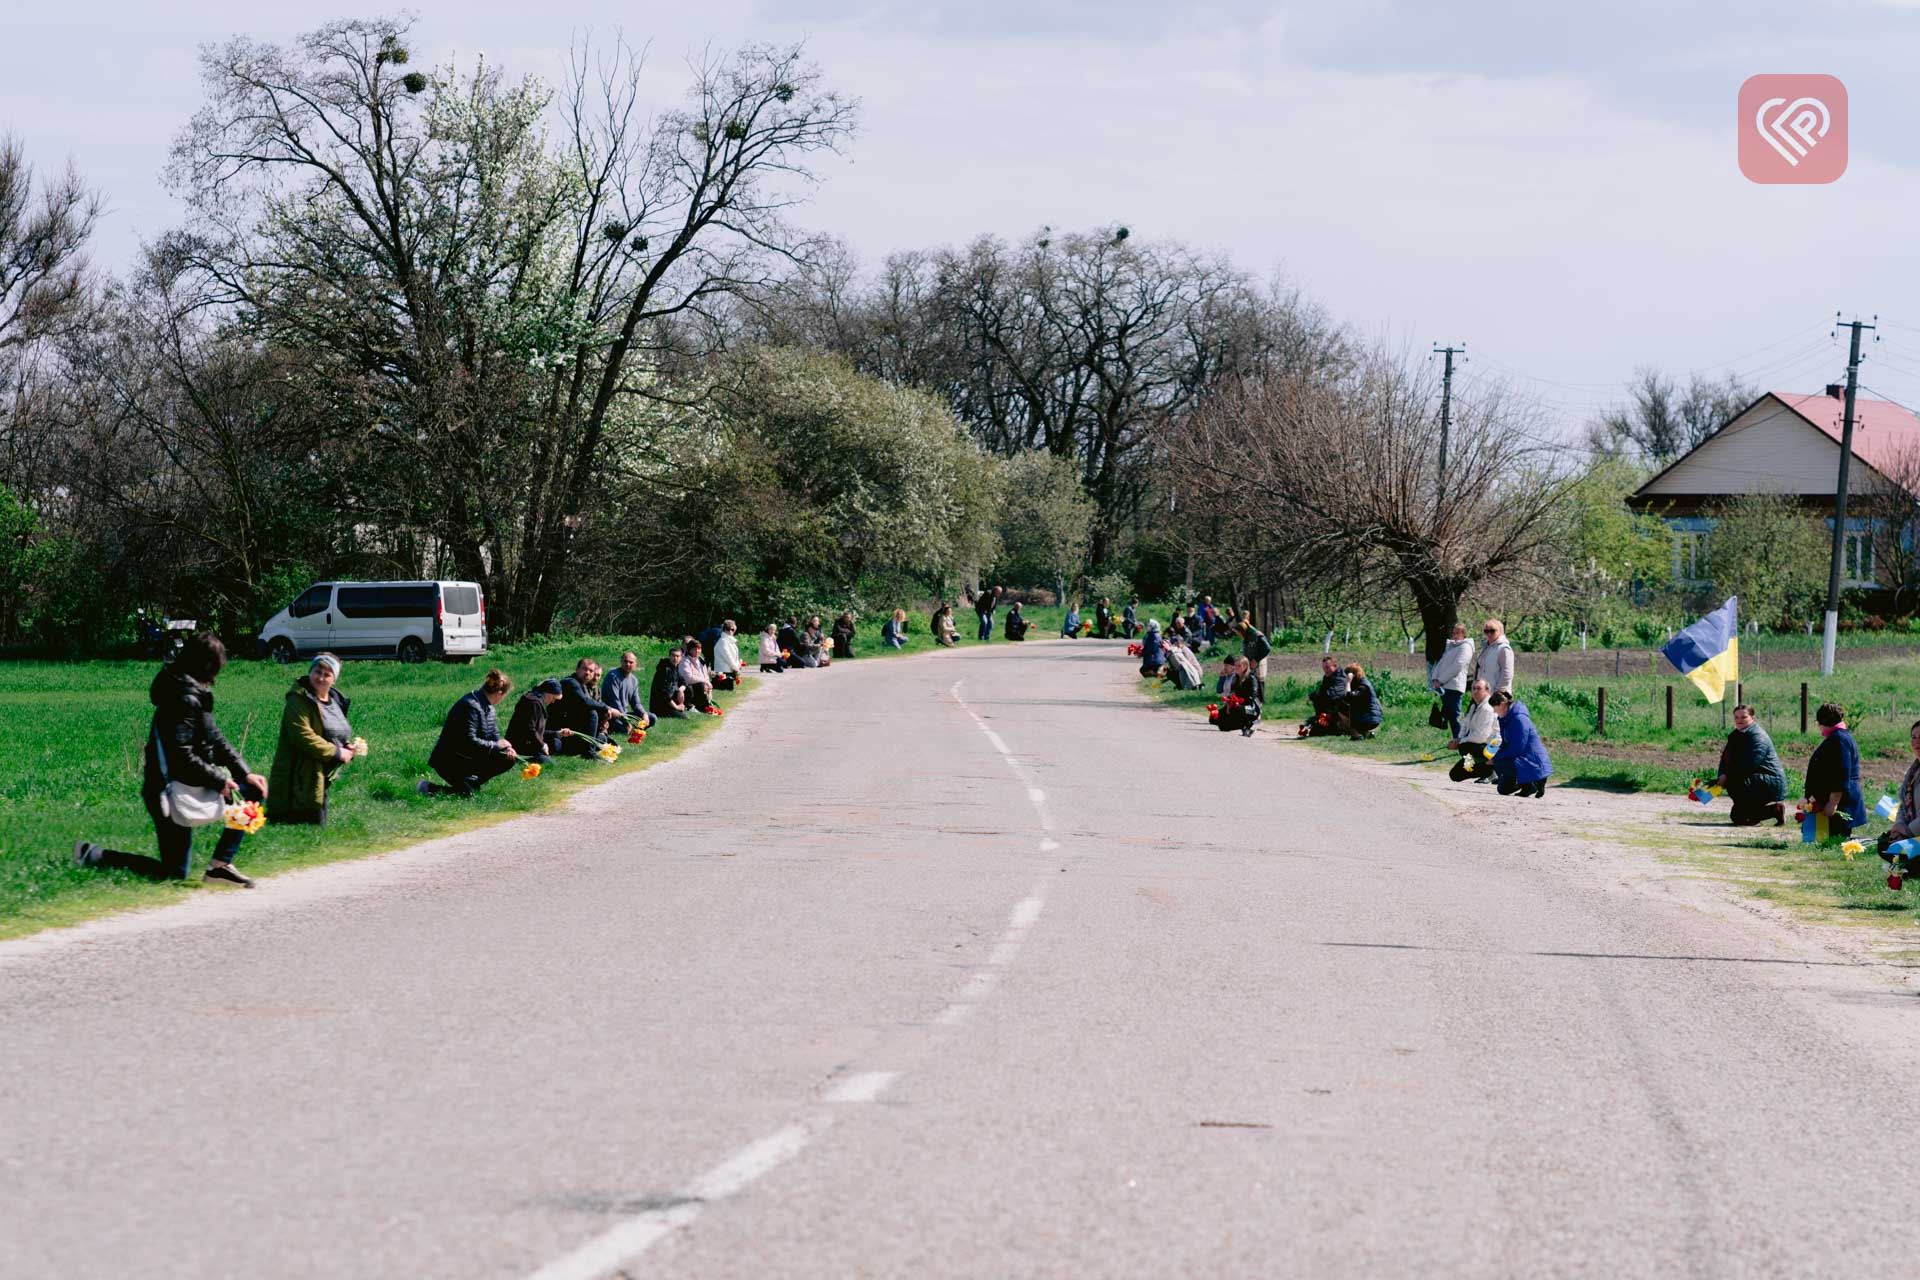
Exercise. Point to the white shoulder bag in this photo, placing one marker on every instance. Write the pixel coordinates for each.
(184, 805)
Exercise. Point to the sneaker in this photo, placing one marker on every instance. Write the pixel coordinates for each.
(86, 853)
(223, 871)
(423, 787)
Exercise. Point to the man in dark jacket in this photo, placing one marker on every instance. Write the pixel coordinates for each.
(983, 605)
(528, 731)
(470, 752)
(1130, 618)
(1329, 700)
(1017, 624)
(666, 698)
(1751, 773)
(185, 746)
(580, 711)
(1103, 619)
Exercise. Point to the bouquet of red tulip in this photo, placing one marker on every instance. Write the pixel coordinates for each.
(1135, 651)
(1213, 712)
(531, 771)
(637, 735)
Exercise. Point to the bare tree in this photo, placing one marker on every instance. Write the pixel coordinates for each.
(1335, 478)
(1889, 501)
(504, 300)
(1661, 420)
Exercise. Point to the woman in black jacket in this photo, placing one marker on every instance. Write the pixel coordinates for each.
(1245, 713)
(1833, 774)
(471, 752)
(185, 746)
(1360, 713)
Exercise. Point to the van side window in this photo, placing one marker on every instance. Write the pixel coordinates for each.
(387, 602)
(311, 601)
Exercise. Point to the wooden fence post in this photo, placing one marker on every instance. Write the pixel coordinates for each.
(1739, 692)
(1803, 706)
(1603, 711)
(1669, 708)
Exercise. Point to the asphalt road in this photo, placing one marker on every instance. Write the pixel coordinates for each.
(971, 964)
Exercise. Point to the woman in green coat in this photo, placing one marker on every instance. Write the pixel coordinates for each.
(315, 740)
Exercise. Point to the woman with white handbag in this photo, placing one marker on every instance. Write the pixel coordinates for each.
(192, 771)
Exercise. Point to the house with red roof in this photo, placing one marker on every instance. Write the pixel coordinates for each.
(1787, 442)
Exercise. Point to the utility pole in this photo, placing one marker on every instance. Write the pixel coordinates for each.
(1840, 498)
(1446, 402)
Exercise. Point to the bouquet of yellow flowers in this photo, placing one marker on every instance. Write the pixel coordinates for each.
(246, 815)
(531, 771)
(358, 746)
(608, 751)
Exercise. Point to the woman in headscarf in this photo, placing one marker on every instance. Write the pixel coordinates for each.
(315, 740)
(1153, 650)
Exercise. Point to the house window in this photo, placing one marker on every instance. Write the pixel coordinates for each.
(1857, 558)
(1690, 562)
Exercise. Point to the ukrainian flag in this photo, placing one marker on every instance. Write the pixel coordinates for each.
(1708, 652)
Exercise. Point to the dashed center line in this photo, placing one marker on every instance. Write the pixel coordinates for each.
(633, 1236)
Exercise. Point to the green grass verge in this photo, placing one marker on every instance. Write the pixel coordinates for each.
(77, 730)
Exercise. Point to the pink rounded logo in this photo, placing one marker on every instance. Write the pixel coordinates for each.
(1793, 128)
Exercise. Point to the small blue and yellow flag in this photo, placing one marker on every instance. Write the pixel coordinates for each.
(1708, 652)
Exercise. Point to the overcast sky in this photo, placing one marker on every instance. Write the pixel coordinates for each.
(1553, 184)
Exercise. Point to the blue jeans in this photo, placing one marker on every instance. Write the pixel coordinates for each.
(986, 626)
(1450, 708)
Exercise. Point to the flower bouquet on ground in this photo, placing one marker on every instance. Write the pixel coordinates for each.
(637, 735)
(1213, 713)
(246, 815)
(531, 771)
(608, 751)
(1704, 792)
(1086, 628)
(1135, 651)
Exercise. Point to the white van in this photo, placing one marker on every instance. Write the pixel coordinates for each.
(411, 621)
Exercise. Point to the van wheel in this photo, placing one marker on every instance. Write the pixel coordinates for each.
(282, 651)
(411, 650)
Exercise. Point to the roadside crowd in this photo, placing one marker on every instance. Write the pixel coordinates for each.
(1493, 733)
(193, 777)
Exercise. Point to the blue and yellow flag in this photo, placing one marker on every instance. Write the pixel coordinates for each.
(1708, 652)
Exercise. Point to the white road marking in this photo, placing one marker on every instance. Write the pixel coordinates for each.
(632, 1236)
(862, 1086)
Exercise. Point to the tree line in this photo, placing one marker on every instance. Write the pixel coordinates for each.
(443, 322)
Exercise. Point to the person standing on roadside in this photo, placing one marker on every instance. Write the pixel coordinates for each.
(983, 605)
(1495, 663)
(1130, 618)
(1448, 676)
(185, 751)
(1255, 648)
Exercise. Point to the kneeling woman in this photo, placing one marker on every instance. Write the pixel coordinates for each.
(1521, 764)
(1153, 651)
(1245, 713)
(314, 743)
(1833, 774)
(471, 752)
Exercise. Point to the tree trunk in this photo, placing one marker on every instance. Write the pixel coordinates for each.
(1439, 611)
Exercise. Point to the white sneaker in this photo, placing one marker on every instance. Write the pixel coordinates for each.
(86, 854)
(423, 787)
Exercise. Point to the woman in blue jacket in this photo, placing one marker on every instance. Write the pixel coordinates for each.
(1153, 654)
(1833, 774)
(471, 752)
(1521, 764)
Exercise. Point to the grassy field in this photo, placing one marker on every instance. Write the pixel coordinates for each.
(76, 730)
